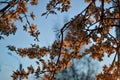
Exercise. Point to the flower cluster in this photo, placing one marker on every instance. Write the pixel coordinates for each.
(91, 26)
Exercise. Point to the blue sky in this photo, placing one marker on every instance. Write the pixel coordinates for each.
(22, 39)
